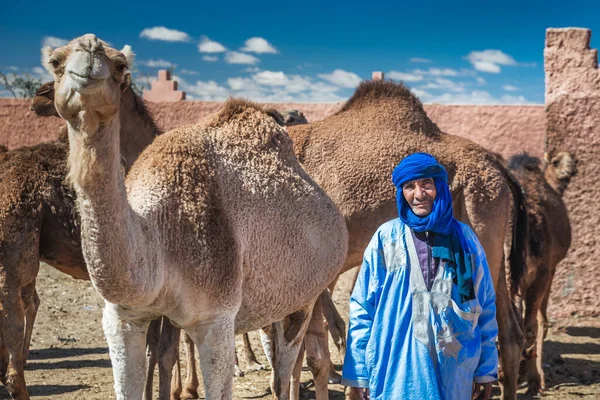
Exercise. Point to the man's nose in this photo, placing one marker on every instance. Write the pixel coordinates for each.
(418, 191)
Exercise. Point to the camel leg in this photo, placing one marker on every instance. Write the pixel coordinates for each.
(12, 335)
(252, 363)
(533, 324)
(216, 349)
(335, 322)
(31, 313)
(318, 358)
(510, 338)
(190, 390)
(295, 381)
(152, 338)
(237, 371)
(542, 332)
(337, 328)
(168, 354)
(126, 347)
(176, 380)
(284, 339)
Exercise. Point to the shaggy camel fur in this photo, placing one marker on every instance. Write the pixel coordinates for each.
(351, 155)
(38, 221)
(549, 239)
(216, 226)
(162, 338)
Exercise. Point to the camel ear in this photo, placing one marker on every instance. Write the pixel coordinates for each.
(46, 54)
(129, 56)
(547, 158)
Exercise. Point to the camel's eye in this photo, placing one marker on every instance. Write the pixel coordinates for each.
(120, 67)
(55, 63)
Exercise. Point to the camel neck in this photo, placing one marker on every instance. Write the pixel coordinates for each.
(107, 223)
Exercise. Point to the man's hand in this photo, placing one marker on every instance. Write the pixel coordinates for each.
(357, 393)
(482, 391)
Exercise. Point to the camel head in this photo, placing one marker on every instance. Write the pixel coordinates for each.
(88, 75)
(43, 102)
(561, 166)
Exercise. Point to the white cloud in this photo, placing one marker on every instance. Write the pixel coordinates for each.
(419, 60)
(342, 78)
(210, 46)
(206, 90)
(276, 86)
(234, 57)
(258, 45)
(53, 41)
(486, 66)
(252, 69)
(480, 81)
(270, 78)
(489, 60)
(210, 58)
(479, 97)
(443, 83)
(437, 72)
(188, 72)
(160, 63)
(404, 76)
(166, 34)
(291, 83)
(510, 88)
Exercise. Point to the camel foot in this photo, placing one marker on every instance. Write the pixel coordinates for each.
(534, 388)
(237, 372)
(255, 366)
(189, 394)
(334, 377)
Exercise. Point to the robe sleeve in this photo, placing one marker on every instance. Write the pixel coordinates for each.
(362, 311)
(487, 369)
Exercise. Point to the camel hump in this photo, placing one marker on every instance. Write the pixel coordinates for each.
(374, 91)
(524, 161)
(241, 120)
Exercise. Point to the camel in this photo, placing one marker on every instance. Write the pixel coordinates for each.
(216, 226)
(162, 338)
(38, 221)
(549, 239)
(351, 155)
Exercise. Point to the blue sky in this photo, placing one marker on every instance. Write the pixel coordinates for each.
(462, 53)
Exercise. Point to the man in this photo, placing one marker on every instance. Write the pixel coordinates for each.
(422, 313)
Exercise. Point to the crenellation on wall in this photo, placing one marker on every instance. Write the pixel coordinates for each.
(573, 124)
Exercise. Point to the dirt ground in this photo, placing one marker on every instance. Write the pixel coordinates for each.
(69, 358)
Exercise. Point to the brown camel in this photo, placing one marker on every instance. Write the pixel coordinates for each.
(549, 239)
(216, 226)
(162, 338)
(351, 155)
(38, 221)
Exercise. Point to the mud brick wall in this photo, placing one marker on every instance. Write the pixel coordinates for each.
(573, 123)
(504, 129)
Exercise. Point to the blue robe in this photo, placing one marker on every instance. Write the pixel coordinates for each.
(407, 342)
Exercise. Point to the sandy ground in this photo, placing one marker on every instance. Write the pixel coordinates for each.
(69, 358)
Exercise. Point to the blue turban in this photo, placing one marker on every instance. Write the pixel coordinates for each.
(449, 242)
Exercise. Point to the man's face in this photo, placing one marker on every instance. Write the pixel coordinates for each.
(420, 194)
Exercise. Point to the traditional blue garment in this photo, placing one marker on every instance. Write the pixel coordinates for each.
(449, 243)
(405, 342)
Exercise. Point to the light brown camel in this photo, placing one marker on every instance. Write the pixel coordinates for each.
(162, 338)
(38, 221)
(549, 239)
(351, 155)
(216, 226)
